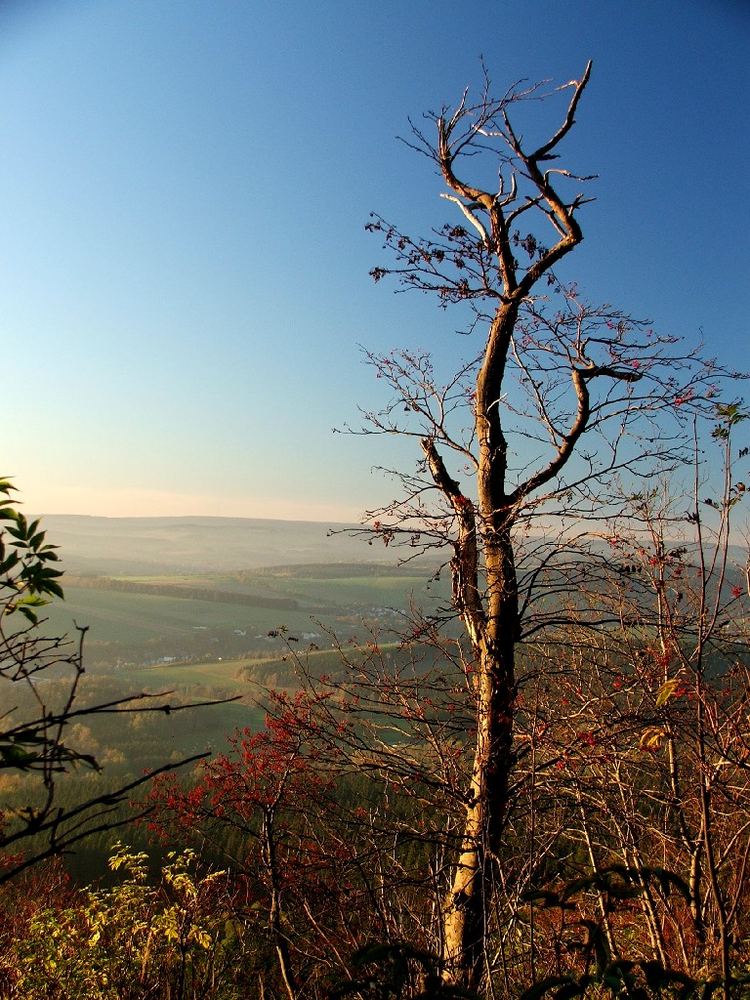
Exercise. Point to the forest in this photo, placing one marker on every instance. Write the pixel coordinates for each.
(508, 756)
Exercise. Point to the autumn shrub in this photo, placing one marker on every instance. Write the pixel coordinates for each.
(176, 938)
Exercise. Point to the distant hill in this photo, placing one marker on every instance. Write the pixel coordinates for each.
(149, 545)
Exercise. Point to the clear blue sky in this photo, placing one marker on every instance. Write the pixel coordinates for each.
(183, 187)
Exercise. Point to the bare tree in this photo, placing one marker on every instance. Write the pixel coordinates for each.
(563, 402)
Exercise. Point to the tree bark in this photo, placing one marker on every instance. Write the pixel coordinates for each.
(466, 906)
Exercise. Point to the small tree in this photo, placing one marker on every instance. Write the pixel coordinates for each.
(562, 402)
(280, 810)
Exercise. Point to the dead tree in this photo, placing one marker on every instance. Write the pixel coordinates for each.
(562, 401)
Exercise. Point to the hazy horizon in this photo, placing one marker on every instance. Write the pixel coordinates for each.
(24, 508)
(146, 545)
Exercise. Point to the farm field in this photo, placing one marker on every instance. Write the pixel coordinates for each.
(144, 621)
(121, 616)
(323, 584)
(220, 675)
(167, 545)
(387, 590)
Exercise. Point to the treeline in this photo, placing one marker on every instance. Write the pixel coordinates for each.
(343, 570)
(188, 592)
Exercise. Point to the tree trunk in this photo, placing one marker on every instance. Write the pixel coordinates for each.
(466, 906)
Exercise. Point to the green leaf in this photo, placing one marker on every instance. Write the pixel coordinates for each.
(50, 587)
(8, 564)
(27, 613)
(14, 756)
(36, 540)
(32, 600)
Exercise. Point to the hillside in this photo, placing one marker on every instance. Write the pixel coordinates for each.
(150, 545)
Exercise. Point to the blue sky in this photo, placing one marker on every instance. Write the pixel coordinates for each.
(183, 188)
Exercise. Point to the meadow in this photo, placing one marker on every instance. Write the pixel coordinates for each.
(142, 620)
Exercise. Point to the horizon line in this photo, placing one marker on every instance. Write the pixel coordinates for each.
(192, 517)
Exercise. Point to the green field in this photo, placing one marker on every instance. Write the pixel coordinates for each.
(317, 586)
(116, 616)
(203, 647)
(209, 624)
(364, 591)
(224, 675)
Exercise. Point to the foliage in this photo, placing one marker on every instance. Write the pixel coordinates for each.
(276, 810)
(174, 937)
